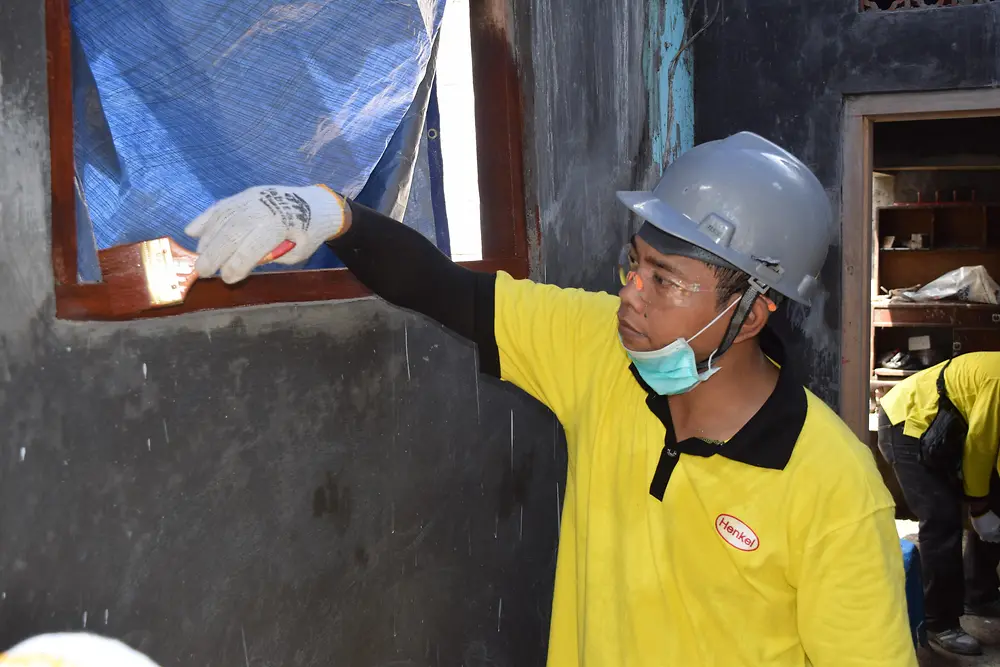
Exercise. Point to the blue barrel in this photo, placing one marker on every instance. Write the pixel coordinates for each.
(914, 592)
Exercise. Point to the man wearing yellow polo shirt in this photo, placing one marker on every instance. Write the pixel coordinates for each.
(971, 383)
(716, 512)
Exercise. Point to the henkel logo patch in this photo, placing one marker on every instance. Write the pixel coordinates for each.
(737, 533)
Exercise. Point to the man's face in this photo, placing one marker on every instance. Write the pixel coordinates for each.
(669, 297)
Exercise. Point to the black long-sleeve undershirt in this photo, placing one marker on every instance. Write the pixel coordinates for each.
(404, 268)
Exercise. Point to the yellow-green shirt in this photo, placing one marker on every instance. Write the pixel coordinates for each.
(973, 384)
(785, 554)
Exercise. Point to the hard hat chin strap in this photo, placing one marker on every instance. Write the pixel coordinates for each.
(754, 290)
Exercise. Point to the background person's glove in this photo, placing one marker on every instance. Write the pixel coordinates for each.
(236, 233)
(988, 526)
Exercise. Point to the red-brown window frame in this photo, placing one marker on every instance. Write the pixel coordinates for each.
(498, 108)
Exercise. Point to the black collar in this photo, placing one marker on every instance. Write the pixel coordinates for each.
(766, 441)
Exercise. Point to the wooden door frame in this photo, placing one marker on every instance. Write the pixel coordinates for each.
(860, 114)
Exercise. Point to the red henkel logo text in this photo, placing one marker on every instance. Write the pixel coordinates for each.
(736, 533)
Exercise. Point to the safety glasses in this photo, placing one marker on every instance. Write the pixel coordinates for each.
(655, 285)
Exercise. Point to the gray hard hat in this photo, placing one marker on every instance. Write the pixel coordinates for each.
(749, 202)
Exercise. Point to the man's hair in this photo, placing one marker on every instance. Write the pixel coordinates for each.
(730, 282)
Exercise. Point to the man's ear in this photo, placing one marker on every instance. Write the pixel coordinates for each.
(759, 314)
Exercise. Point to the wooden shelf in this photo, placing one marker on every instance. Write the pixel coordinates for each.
(957, 305)
(945, 314)
(942, 167)
(894, 372)
(952, 234)
(916, 206)
(965, 248)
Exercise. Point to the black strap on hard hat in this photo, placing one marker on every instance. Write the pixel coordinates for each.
(754, 290)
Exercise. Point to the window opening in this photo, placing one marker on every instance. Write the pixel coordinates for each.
(177, 108)
(456, 101)
(453, 164)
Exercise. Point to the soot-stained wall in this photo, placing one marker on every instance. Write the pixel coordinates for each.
(303, 485)
(781, 68)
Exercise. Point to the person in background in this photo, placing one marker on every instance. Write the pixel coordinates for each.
(716, 512)
(938, 496)
(73, 649)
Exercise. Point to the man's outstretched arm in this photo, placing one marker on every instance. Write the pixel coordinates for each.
(539, 337)
(398, 264)
(393, 261)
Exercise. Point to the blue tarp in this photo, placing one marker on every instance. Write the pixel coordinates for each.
(184, 102)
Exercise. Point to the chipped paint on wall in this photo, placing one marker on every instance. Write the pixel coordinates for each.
(670, 83)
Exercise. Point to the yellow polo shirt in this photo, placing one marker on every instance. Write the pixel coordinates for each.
(973, 384)
(782, 553)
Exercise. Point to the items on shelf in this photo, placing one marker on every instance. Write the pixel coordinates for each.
(915, 242)
(896, 362)
(934, 265)
(970, 284)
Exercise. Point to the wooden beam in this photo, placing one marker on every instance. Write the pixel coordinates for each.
(499, 130)
(855, 282)
(96, 301)
(59, 51)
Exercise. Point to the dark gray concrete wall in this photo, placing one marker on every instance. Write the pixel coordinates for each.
(781, 68)
(298, 485)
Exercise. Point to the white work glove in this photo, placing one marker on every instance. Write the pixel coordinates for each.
(236, 233)
(73, 649)
(988, 526)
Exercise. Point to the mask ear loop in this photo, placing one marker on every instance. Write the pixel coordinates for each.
(753, 292)
(708, 364)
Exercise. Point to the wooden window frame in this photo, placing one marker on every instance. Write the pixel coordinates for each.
(499, 141)
(861, 112)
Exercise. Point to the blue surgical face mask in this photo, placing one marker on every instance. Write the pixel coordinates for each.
(673, 369)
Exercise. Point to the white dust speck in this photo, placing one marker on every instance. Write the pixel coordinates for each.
(558, 511)
(499, 613)
(406, 347)
(3, 596)
(166, 434)
(246, 654)
(476, 369)
(84, 619)
(105, 617)
(512, 441)
(149, 444)
(144, 374)
(24, 450)
(555, 437)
